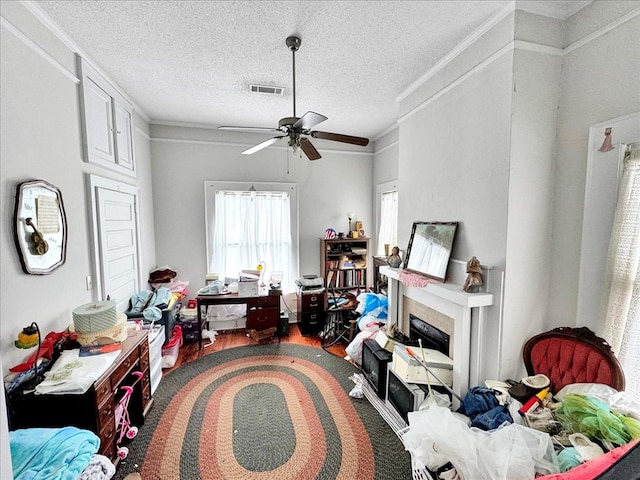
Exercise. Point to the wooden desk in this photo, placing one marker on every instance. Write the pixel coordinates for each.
(263, 311)
(95, 409)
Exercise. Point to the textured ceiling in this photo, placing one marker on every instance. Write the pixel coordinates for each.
(192, 61)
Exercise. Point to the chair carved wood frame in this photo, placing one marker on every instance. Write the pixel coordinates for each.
(573, 355)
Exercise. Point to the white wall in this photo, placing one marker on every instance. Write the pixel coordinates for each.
(497, 140)
(41, 138)
(600, 81)
(184, 158)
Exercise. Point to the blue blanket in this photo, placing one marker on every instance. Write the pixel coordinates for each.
(51, 453)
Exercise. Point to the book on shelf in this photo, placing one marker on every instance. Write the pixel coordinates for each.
(331, 278)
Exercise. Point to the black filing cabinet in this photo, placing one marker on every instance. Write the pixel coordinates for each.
(312, 311)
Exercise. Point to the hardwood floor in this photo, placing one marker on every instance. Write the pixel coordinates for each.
(236, 338)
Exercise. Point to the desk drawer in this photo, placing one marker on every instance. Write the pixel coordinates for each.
(126, 365)
(262, 318)
(103, 391)
(105, 415)
(266, 301)
(108, 440)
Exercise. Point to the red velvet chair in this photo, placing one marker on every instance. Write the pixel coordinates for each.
(572, 355)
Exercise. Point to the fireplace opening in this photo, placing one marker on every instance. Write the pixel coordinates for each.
(432, 337)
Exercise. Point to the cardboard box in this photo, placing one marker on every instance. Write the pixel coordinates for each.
(411, 371)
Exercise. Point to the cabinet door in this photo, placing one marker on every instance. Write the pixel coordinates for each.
(108, 121)
(99, 122)
(123, 136)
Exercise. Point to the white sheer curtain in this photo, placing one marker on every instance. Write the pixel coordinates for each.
(622, 288)
(252, 227)
(388, 221)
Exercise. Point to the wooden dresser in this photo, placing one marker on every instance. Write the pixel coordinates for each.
(93, 410)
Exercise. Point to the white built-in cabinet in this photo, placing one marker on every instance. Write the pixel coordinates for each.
(108, 123)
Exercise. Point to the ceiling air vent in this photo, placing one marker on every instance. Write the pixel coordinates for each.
(266, 89)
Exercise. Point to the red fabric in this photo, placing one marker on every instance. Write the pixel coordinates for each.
(565, 361)
(46, 350)
(589, 470)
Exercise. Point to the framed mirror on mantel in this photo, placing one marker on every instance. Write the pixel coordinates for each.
(40, 227)
(429, 249)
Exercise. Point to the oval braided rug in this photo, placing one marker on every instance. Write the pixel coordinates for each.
(263, 412)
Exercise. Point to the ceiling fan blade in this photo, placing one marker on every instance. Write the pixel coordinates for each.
(262, 145)
(250, 129)
(309, 120)
(337, 137)
(309, 150)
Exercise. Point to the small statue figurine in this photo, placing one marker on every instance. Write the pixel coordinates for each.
(474, 279)
(394, 259)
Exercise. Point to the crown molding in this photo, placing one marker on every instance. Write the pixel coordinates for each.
(552, 9)
(38, 50)
(246, 145)
(54, 28)
(449, 57)
(602, 31)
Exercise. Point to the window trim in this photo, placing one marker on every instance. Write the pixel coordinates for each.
(211, 187)
(381, 189)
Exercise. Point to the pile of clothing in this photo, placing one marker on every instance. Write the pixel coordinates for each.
(496, 436)
(149, 304)
(165, 276)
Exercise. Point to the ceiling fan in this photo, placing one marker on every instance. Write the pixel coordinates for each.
(298, 129)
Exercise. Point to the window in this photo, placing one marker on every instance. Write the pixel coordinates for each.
(388, 205)
(252, 225)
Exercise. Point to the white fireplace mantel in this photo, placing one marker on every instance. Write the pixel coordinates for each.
(451, 300)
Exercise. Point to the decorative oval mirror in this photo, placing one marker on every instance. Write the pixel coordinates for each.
(40, 227)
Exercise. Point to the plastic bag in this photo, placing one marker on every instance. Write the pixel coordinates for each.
(354, 349)
(435, 398)
(357, 391)
(511, 452)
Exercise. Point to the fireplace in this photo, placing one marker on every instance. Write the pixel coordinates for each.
(448, 308)
(429, 324)
(432, 337)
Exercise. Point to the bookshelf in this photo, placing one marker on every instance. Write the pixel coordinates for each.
(344, 263)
